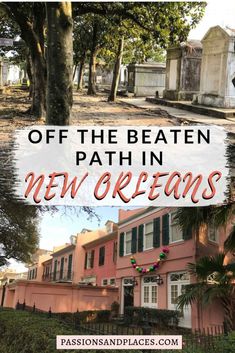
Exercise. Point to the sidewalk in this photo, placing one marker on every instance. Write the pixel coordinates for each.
(181, 115)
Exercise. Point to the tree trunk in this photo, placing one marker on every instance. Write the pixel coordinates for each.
(29, 69)
(38, 107)
(92, 63)
(92, 74)
(33, 34)
(116, 71)
(59, 63)
(74, 70)
(80, 74)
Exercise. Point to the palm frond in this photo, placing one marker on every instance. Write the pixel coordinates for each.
(213, 292)
(207, 265)
(193, 217)
(229, 243)
(192, 293)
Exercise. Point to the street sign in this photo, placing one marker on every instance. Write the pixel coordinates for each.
(6, 42)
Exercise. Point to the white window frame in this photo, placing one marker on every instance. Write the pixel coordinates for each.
(125, 253)
(88, 260)
(216, 241)
(171, 215)
(144, 248)
(149, 285)
(105, 279)
(114, 284)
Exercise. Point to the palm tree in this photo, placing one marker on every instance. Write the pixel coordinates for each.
(215, 280)
(195, 217)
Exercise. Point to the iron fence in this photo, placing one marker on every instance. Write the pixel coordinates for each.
(209, 340)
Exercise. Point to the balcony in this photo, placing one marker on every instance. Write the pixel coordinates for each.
(66, 276)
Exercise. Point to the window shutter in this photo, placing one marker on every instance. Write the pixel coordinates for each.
(156, 232)
(101, 256)
(85, 264)
(121, 245)
(134, 240)
(140, 238)
(187, 233)
(165, 229)
(92, 258)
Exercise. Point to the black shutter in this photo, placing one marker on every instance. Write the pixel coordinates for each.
(140, 238)
(121, 245)
(187, 233)
(101, 256)
(134, 240)
(92, 258)
(156, 232)
(165, 229)
(85, 264)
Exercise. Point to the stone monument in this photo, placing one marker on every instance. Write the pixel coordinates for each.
(146, 79)
(217, 87)
(183, 66)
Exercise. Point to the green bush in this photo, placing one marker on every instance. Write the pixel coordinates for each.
(161, 317)
(24, 332)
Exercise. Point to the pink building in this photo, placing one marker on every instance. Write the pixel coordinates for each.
(100, 258)
(145, 234)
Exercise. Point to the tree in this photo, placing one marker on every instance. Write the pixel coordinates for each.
(196, 217)
(30, 17)
(18, 231)
(215, 280)
(167, 22)
(59, 62)
(81, 44)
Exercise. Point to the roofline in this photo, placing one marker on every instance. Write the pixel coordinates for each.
(63, 250)
(138, 214)
(100, 240)
(219, 27)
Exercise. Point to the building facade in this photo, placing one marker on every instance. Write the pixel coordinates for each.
(152, 263)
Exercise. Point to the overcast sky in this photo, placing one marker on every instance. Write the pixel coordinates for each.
(56, 230)
(218, 12)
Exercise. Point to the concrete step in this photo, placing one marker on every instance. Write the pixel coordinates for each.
(198, 109)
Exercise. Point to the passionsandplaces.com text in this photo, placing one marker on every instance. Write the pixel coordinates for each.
(119, 342)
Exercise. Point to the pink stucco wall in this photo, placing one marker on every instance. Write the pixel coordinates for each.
(60, 297)
(180, 254)
(106, 271)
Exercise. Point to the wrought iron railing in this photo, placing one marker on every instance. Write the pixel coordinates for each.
(58, 276)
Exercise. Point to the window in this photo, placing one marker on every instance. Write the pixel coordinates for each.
(112, 281)
(114, 251)
(174, 293)
(213, 234)
(89, 262)
(148, 236)
(149, 292)
(175, 231)
(128, 237)
(101, 256)
(104, 282)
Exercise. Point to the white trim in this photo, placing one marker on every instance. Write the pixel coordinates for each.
(216, 234)
(124, 252)
(183, 322)
(150, 285)
(170, 230)
(138, 218)
(144, 234)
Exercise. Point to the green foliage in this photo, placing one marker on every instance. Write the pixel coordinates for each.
(82, 317)
(115, 308)
(23, 332)
(161, 317)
